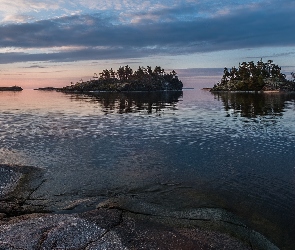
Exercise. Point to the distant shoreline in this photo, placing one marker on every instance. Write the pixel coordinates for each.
(103, 91)
(13, 88)
(246, 91)
(48, 89)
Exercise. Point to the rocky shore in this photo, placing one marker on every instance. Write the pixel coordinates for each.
(117, 223)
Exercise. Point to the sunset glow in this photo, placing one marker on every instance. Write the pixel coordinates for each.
(52, 44)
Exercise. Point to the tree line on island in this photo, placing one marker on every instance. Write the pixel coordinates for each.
(255, 77)
(125, 79)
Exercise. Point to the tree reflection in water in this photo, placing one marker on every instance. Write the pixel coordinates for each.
(253, 105)
(132, 102)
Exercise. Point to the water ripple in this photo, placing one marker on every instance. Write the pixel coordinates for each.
(238, 158)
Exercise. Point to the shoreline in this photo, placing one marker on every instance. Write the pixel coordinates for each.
(126, 91)
(248, 91)
(105, 91)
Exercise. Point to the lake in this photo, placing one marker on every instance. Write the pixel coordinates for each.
(177, 150)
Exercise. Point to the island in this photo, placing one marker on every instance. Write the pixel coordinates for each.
(48, 88)
(255, 77)
(13, 88)
(125, 79)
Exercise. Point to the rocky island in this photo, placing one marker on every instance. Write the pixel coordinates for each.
(125, 79)
(13, 88)
(255, 77)
(47, 88)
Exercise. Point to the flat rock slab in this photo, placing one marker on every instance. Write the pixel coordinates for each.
(17, 183)
(9, 178)
(106, 229)
(118, 223)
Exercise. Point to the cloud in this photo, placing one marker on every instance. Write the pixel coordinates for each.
(290, 53)
(78, 55)
(35, 67)
(25, 10)
(163, 31)
(17, 18)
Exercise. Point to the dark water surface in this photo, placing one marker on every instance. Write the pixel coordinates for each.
(180, 150)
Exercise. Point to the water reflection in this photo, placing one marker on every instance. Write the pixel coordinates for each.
(193, 157)
(132, 102)
(252, 105)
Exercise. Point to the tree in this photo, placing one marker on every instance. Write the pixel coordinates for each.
(112, 73)
(226, 74)
(105, 74)
(121, 73)
(233, 73)
(128, 72)
(158, 71)
(140, 73)
(149, 70)
(173, 73)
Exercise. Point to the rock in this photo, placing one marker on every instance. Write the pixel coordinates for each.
(199, 228)
(106, 229)
(64, 231)
(17, 184)
(9, 178)
(118, 223)
(48, 232)
(146, 232)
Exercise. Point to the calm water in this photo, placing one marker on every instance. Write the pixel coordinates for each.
(180, 150)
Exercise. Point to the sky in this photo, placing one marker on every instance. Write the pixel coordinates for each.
(51, 43)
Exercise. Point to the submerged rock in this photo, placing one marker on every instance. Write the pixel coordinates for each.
(17, 184)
